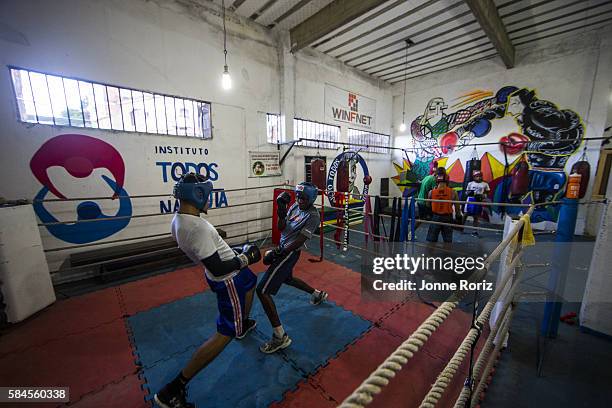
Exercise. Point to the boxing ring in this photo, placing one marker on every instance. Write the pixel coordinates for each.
(348, 353)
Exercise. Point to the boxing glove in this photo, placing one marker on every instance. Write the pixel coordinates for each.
(272, 255)
(250, 255)
(237, 250)
(282, 203)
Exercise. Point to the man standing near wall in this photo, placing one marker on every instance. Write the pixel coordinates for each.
(427, 184)
(226, 272)
(443, 210)
(297, 226)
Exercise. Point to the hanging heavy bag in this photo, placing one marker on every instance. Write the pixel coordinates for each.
(520, 179)
(583, 168)
(342, 176)
(318, 173)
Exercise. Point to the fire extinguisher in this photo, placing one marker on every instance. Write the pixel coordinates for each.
(573, 186)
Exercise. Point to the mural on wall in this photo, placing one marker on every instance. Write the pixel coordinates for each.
(79, 155)
(544, 137)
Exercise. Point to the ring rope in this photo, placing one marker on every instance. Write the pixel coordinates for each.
(364, 394)
(374, 384)
(489, 366)
(47, 200)
(466, 392)
(44, 224)
(448, 373)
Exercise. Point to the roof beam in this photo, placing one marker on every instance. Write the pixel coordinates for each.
(333, 16)
(488, 18)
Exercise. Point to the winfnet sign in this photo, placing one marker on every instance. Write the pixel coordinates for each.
(349, 107)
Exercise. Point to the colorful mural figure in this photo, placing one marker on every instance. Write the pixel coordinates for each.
(80, 155)
(545, 137)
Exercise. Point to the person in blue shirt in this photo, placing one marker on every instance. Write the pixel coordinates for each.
(297, 225)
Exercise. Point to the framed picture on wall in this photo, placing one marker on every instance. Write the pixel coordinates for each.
(264, 164)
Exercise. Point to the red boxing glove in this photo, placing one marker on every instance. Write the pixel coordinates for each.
(448, 142)
(513, 144)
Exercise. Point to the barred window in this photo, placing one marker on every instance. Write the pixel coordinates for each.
(61, 101)
(376, 142)
(320, 133)
(275, 130)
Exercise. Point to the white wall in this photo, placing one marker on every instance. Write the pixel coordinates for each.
(312, 71)
(169, 47)
(572, 72)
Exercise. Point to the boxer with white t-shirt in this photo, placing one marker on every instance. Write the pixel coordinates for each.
(477, 191)
(227, 274)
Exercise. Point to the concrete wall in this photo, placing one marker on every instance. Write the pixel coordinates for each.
(572, 73)
(175, 48)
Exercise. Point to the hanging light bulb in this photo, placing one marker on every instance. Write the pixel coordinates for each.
(402, 127)
(226, 79)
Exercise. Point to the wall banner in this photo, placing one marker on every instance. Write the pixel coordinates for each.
(264, 164)
(349, 107)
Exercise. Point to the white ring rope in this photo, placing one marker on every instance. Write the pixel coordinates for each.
(448, 373)
(374, 384)
(364, 394)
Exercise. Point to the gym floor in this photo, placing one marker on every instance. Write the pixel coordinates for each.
(117, 345)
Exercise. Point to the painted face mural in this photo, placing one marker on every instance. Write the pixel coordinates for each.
(80, 155)
(543, 135)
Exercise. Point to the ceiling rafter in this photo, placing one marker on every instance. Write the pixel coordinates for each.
(333, 16)
(492, 24)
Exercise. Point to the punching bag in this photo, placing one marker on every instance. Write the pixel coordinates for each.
(342, 177)
(318, 173)
(583, 168)
(520, 179)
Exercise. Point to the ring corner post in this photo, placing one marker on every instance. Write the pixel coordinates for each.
(566, 224)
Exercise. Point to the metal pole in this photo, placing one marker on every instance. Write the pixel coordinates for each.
(566, 224)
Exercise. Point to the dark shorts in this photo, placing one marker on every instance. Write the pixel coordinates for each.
(231, 295)
(435, 229)
(278, 273)
(424, 211)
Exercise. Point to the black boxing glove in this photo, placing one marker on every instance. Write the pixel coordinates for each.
(237, 250)
(282, 203)
(250, 255)
(272, 255)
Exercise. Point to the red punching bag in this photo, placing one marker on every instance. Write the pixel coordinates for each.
(520, 179)
(318, 173)
(342, 177)
(583, 168)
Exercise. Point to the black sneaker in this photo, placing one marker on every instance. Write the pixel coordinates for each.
(318, 299)
(249, 325)
(165, 398)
